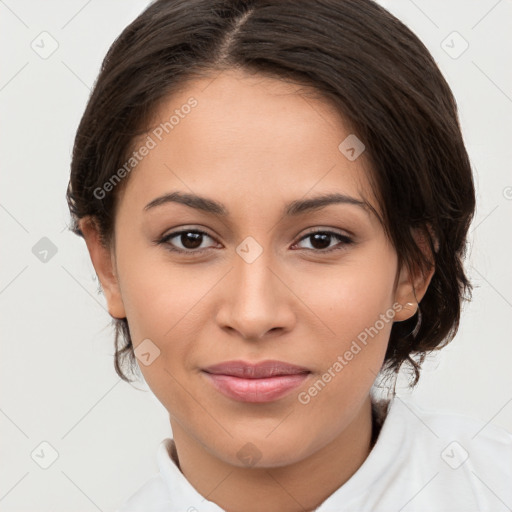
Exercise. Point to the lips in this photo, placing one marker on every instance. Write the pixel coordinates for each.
(261, 370)
(265, 381)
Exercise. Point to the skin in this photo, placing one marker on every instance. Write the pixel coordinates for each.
(255, 144)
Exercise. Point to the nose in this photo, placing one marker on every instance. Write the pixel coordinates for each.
(256, 299)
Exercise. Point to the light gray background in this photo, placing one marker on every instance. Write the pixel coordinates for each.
(58, 383)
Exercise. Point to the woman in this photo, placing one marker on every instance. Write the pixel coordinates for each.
(275, 196)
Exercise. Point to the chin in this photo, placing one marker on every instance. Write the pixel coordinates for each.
(260, 451)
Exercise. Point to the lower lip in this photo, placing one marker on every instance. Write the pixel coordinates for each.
(256, 390)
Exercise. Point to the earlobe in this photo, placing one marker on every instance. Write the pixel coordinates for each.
(410, 292)
(412, 285)
(104, 265)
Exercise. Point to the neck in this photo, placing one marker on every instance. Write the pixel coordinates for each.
(298, 487)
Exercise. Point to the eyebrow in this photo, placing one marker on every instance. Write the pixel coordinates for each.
(294, 208)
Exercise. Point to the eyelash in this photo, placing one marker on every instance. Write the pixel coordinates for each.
(345, 240)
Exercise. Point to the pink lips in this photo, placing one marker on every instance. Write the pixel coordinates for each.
(262, 382)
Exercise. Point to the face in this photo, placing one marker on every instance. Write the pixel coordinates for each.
(250, 280)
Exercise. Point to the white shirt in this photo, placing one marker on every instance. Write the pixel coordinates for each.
(422, 461)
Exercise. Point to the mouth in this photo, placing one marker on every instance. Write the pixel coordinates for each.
(263, 369)
(265, 381)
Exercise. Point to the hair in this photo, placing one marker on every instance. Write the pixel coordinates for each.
(355, 54)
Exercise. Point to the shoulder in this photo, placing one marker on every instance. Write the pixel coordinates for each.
(467, 460)
(154, 495)
(153, 492)
(169, 490)
(431, 424)
(442, 423)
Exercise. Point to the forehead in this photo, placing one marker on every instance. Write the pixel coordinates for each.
(247, 137)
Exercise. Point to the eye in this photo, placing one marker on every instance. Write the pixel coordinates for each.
(321, 240)
(190, 239)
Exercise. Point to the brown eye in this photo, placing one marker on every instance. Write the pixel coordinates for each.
(321, 241)
(190, 240)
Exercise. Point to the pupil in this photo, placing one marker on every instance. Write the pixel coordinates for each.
(191, 240)
(323, 238)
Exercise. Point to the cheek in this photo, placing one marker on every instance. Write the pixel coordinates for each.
(157, 293)
(160, 303)
(165, 303)
(353, 309)
(350, 297)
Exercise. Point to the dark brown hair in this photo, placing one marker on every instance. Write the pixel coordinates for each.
(357, 55)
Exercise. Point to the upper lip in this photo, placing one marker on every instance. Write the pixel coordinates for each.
(262, 369)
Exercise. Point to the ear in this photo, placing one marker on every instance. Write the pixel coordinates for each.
(411, 285)
(103, 260)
